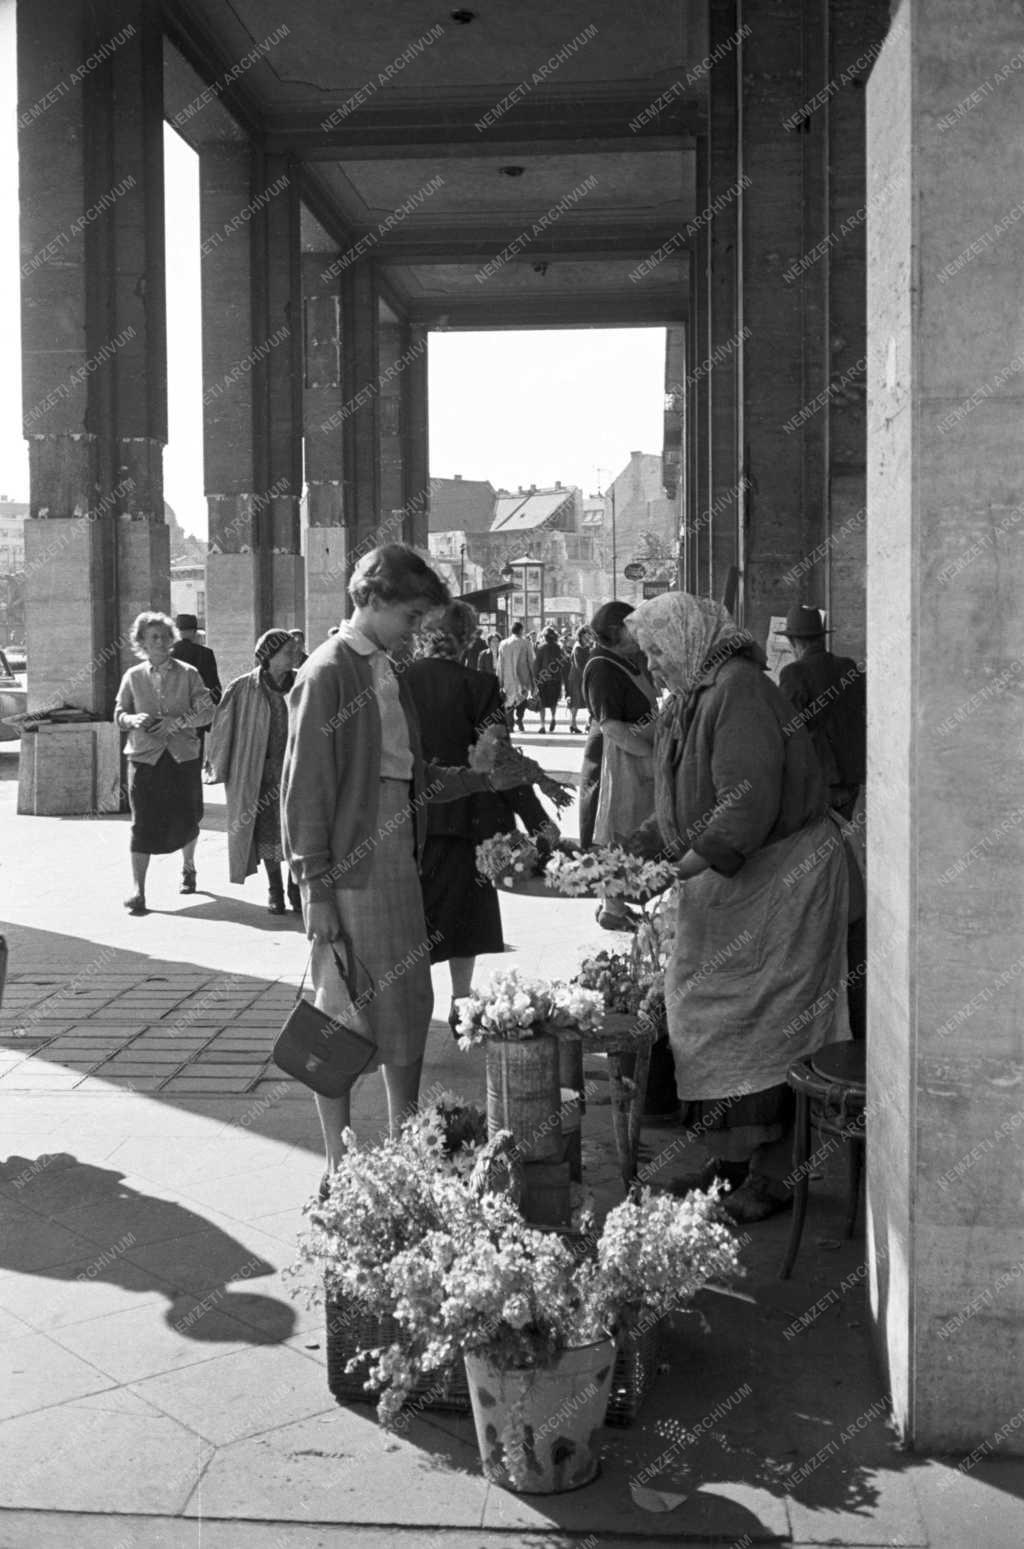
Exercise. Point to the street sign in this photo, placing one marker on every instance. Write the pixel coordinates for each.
(634, 571)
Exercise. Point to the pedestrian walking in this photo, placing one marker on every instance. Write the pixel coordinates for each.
(574, 694)
(162, 703)
(515, 675)
(246, 752)
(548, 672)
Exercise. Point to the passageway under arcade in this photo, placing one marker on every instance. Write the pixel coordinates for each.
(767, 182)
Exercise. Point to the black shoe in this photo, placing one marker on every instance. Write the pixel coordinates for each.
(453, 1019)
(275, 901)
(188, 880)
(136, 904)
(541, 731)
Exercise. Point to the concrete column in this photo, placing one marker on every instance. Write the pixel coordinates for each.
(392, 442)
(326, 538)
(697, 348)
(234, 603)
(416, 436)
(360, 376)
(278, 374)
(93, 339)
(721, 364)
(945, 624)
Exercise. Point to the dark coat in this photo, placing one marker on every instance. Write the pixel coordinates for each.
(549, 669)
(203, 660)
(738, 772)
(829, 694)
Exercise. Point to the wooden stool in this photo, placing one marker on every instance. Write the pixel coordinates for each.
(628, 1046)
(831, 1095)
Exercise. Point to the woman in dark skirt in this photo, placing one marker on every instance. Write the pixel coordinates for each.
(454, 703)
(161, 703)
(574, 676)
(548, 672)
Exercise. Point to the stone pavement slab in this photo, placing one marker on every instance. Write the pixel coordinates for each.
(176, 1379)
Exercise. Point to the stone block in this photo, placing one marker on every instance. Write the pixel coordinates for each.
(232, 629)
(68, 771)
(327, 551)
(288, 591)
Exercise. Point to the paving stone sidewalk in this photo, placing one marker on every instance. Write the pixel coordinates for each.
(163, 1387)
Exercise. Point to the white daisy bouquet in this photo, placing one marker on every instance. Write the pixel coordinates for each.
(515, 1006)
(608, 872)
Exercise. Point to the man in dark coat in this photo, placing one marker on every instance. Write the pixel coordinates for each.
(188, 649)
(829, 693)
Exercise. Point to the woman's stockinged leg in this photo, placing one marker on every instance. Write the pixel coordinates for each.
(461, 970)
(335, 1115)
(402, 1085)
(140, 865)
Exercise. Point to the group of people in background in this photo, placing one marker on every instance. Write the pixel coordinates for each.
(353, 773)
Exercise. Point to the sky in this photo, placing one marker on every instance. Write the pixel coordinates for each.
(517, 408)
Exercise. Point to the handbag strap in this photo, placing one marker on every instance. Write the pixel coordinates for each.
(343, 970)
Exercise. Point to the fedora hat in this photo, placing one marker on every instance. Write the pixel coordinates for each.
(803, 623)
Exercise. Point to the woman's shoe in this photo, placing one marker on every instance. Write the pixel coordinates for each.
(610, 921)
(275, 901)
(136, 904)
(541, 731)
(188, 880)
(755, 1200)
(453, 1019)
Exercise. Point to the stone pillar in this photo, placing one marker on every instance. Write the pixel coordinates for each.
(392, 442)
(90, 126)
(945, 622)
(326, 538)
(720, 366)
(278, 383)
(416, 437)
(360, 376)
(252, 398)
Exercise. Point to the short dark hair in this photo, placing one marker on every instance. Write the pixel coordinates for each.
(517, 628)
(396, 573)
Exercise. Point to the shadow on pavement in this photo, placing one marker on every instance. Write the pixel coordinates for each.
(54, 1198)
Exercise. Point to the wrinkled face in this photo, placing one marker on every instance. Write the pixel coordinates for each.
(157, 640)
(655, 661)
(283, 660)
(392, 625)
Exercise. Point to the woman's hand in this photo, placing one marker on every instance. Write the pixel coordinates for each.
(322, 922)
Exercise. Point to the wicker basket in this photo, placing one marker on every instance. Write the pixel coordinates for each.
(351, 1327)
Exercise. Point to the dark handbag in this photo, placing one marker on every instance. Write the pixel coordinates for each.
(324, 1054)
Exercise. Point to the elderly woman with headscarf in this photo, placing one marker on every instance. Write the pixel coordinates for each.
(754, 978)
(616, 780)
(246, 751)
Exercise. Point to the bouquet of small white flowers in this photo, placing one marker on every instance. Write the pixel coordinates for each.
(515, 1006)
(484, 1280)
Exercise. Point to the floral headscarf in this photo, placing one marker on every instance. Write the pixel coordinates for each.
(685, 630)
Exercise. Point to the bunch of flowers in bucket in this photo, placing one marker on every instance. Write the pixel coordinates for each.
(520, 1304)
(516, 1007)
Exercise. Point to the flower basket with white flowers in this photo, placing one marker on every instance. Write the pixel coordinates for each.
(515, 1016)
(535, 1316)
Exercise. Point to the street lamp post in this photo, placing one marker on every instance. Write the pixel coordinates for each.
(615, 554)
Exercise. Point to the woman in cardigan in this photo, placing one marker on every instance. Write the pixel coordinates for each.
(754, 979)
(246, 752)
(622, 701)
(354, 795)
(578, 658)
(161, 703)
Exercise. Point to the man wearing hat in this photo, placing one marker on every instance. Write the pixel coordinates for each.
(828, 691)
(188, 649)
